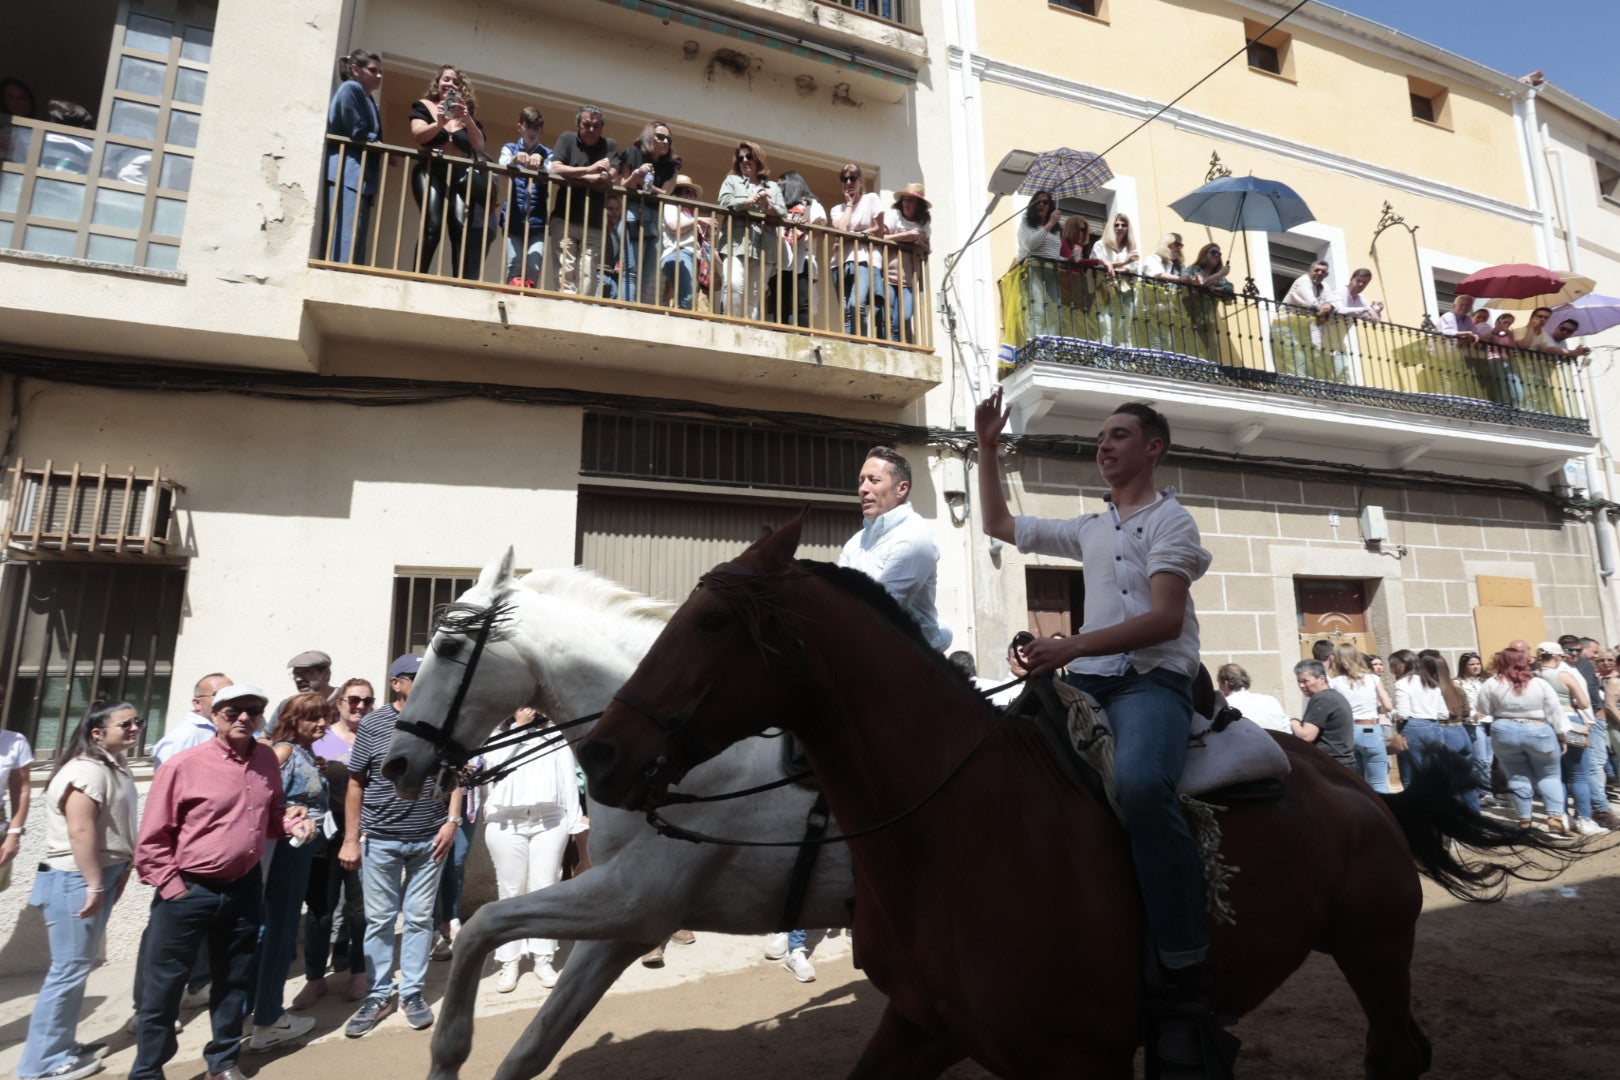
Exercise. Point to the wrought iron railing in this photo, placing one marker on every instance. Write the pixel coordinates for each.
(903, 12)
(1060, 311)
(424, 215)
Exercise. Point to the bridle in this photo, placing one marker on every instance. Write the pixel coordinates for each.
(454, 754)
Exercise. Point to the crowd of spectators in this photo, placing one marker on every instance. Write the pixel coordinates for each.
(586, 217)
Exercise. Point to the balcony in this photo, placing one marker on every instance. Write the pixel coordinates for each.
(566, 287)
(1248, 374)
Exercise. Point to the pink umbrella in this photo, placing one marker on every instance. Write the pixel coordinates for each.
(1513, 280)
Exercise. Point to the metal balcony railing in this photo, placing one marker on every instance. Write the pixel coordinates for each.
(1072, 314)
(901, 12)
(440, 218)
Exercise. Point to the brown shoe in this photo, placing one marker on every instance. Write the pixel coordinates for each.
(683, 937)
(1556, 826)
(1607, 819)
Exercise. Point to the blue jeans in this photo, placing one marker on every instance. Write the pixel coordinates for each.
(860, 298)
(640, 249)
(526, 258)
(336, 917)
(1577, 775)
(53, 1030)
(1597, 759)
(399, 876)
(899, 299)
(1151, 714)
(448, 904)
(222, 916)
(352, 213)
(1480, 735)
(283, 900)
(1426, 738)
(796, 939)
(1372, 756)
(681, 267)
(1528, 751)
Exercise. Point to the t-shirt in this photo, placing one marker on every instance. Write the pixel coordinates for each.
(113, 790)
(15, 753)
(1263, 709)
(383, 813)
(1330, 712)
(632, 158)
(576, 200)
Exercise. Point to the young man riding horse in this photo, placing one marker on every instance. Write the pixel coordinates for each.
(1136, 655)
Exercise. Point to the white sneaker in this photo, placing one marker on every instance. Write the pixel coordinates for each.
(1588, 827)
(288, 1028)
(507, 980)
(545, 972)
(776, 946)
(798, 963)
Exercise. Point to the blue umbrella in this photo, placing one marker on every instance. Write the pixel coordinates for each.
(1244, 202)
(1236, 203)
(1066, 173)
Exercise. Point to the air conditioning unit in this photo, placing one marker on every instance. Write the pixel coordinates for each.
(1571, 480)
(96, 513)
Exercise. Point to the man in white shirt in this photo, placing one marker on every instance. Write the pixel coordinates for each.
(895, 547)
(197, 726)
(1263, 709)
(1309, 290)
(1348, 303)
(1459, 321)
(1136, 653)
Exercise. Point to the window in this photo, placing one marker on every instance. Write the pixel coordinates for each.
(1097, 213)
(115, 190)
(732, 455)
(1270, 51)
(77, 632)
(1445, 290)
(1608, 175)
(1430, 102)
(417, 600)
(1287, 263)
(1097, 9)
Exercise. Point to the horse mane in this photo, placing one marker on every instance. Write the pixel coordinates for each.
(590, 589)
(867, 589)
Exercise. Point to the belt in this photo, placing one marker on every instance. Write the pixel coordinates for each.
(1523, 719)
(1450, 723)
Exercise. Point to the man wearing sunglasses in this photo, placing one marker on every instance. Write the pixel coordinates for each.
(202, 836)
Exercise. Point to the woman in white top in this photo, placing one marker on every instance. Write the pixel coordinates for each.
(1570, 688)
(1470, 679)
(1527, 736)
(1118, 250)
(528, 816)
(1435, 712)
(1040, 248)
(860, 212)
(89, 845)
(906, 223)
(681, 230)
(1163, 305)
(1369, 709)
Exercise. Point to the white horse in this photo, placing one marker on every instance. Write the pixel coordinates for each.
(565, 640)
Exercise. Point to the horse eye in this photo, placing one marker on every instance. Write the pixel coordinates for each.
(449, 647)
(712, 621)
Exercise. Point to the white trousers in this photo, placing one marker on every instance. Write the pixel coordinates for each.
(528, 855)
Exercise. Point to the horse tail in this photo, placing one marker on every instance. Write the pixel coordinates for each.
(1438, 825)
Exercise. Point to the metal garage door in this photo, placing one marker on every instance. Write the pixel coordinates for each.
(661, 544)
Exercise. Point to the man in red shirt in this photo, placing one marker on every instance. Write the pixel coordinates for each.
(202, 835)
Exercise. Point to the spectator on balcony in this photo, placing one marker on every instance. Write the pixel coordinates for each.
(608, 282)
(907, 225)
(790, 294)
(1117, 248)
(585, 155)
(1534, 336)
(1560, 335)
(1077, 282)
(1308, 291)
(1040, 248)
(1040, 230)
(683, 233)
(646, 167)
(1351, 302)
(1210, 286)
(17, 98)
(748, 239)
(524, 216)
(861, 212)
(446, 119)
(1482, 321)
(352, 172)
(1458, 322)
(1163, 306)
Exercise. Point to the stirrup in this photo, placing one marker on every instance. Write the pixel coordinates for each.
(1185, 1042)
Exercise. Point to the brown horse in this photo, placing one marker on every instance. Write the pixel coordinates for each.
(1021, 947)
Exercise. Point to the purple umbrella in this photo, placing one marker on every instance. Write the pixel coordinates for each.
(1594, 313)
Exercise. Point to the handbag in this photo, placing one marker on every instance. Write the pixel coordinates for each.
(703, 264)
(1577, 734)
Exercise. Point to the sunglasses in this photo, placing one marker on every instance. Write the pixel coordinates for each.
(129, 725)
(848, 179)
(661, 138)
(235, 712)
(363, 702)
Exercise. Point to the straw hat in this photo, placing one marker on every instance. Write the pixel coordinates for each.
(914, 190)
(686, 181)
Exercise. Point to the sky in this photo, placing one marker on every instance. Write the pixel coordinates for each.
(1573, 41)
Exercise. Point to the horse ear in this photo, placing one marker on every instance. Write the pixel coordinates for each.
(776, 547)
(497, 576)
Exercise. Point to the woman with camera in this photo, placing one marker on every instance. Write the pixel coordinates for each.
(445, 120)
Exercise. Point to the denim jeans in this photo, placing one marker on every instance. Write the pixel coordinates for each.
(1425, 738)
(1578, 780)
(859, 299)
(283, 900)
(1480, 735)
(640, 249)
(526, 258)
(75, 943)
(400, 876)
(1528, 751)
(797, 939)
(900, 300)
(1372, 756)
(1597, 759)
(336, 919)
(1151, 714)
(681, 267)
(222, 917)
(448, 904)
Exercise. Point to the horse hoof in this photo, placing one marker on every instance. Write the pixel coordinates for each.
(654, 959)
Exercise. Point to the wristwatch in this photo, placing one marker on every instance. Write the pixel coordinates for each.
(18, 830)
